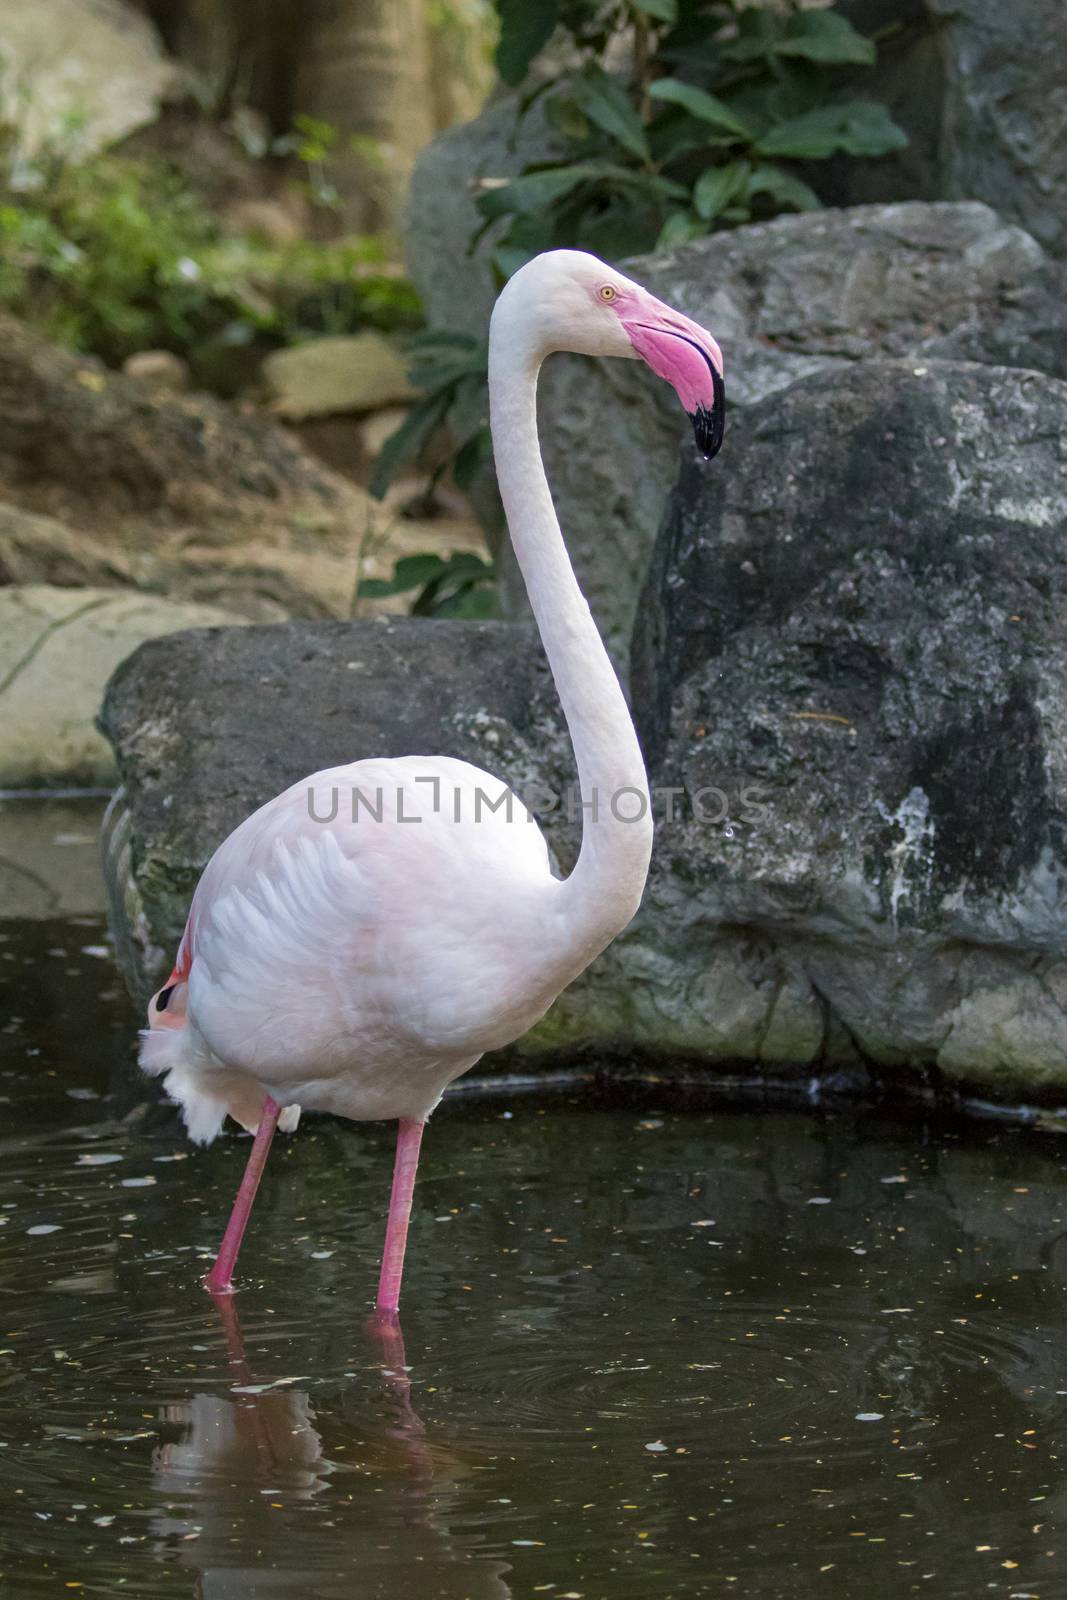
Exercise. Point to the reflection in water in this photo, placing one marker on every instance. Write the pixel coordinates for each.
(238, 1460)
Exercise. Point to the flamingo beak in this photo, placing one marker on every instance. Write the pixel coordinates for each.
(682, 352)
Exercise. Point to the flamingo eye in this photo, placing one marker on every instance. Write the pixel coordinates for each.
(608, 292)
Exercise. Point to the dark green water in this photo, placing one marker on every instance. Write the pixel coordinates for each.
(651, 1353)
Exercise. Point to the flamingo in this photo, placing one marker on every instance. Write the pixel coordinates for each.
(363, 938)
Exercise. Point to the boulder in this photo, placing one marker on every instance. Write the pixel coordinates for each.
(979, 88)
(79, 74)
(336, 375)
(785, 299)
(210, 724)
(1005, 119)
(58, 648)
(455, 280)
(851, 671)
(187, 495)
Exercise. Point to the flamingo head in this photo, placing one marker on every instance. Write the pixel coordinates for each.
(570, 300)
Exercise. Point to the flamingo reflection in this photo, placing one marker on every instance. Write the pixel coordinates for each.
(249, 1498)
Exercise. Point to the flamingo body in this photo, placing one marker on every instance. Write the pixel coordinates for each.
(307, 976)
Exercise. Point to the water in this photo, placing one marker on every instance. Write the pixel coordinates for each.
(652, 1353)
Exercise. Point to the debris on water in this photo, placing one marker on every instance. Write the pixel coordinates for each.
(657, 1446)
(45, 1227)
(98, 1158)
(870, 1416)
(137, 1183)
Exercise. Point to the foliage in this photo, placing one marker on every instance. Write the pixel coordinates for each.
(450, 369)
(700, 132)
(458, 587)
(113, 256)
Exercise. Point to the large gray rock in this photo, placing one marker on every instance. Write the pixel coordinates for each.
(857, 636)
(979, 88)
(784, 299)
(1005, 125)
(212, 723)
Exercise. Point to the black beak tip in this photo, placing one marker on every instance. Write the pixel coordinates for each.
(708, 432)
(709, 424)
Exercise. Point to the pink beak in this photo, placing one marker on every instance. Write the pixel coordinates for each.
(686, 355)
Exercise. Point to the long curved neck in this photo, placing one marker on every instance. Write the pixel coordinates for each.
(604, 890)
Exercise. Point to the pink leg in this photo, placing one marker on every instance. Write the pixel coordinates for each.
(408, 1140)
(220, 1279)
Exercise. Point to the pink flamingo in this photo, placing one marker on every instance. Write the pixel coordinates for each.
(362, 939)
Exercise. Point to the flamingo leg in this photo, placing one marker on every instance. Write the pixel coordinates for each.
(220, 1279)
(408, 1140)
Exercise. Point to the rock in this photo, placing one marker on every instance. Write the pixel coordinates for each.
(1005, 118)
(854, 642)
(190, 496)
(58, 647)
(209, 725)
(340, 374)
(36, 549)
(157, 370)
(979, 89)
(784, 299)
(457, 284)
(78, 74)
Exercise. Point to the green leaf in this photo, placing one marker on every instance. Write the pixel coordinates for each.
(508, 258)
(754, 39)
(411, 572)
(472, 457)
(428, 338)
(658, 10)
(707, 107)
(567, 116)
(404, 445)
(607, 104)
(858, 128)
(533, 191)
(536, 192)
(525, 28)
(825, 36)
(717, 187)
(679, 228)
(766, 178)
